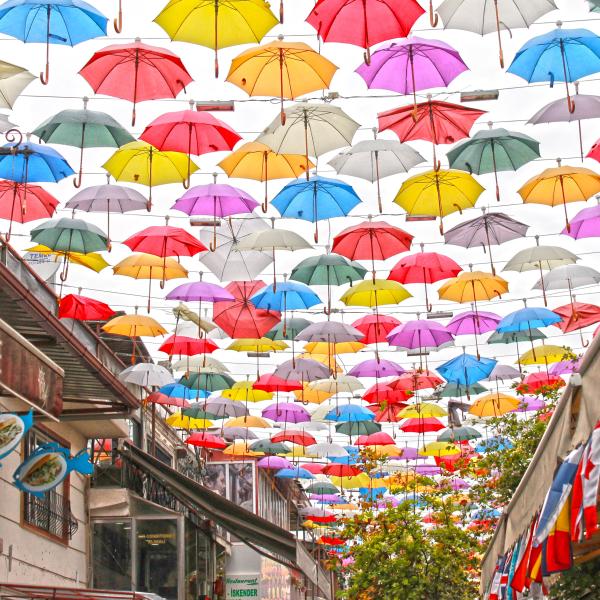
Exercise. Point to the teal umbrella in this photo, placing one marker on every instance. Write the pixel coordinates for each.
(292, 328)
(207, 381)
(83, 129)
(492, 151)
(459, 434)
(357, 427)
(456, 390)
(322, 487)
(196, 411)
(514, 337)
(269, 447)
(328, 269)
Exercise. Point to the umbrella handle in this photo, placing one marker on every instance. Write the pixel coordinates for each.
(133, 116)
(45, 75)
(213, 244)
(571, 104)
(186, 183)
(77, 180)
(264, 206)
(316, 234)
(433, 16)
(281, 11)
(118, 22)
(367, 56)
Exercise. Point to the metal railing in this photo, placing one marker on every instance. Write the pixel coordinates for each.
(51, 513)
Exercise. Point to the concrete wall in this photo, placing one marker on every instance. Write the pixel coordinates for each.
(28, 556)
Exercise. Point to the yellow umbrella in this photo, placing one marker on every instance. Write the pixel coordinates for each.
(380, 451)
(309, 396)
(257, 345)
(248, 421)
(351, 482)
(298, 451)
(93, 260)
(134, 326)
(241, 448)
(423, 410)
(283, 69)
(217, 23)
(330, 348)
(258, 161)
(439, 449)
(149, 266)
(494, 405)
(438, 193)
(140, 162)
(374, 293)
(180, 421)
(560, 185)
(543, 355)
(242, 391)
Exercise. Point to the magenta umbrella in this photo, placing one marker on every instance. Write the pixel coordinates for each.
(215, 200)
(409, 453)
(274, 462)
(565, 367)
(473, 322)
(420, 335)
(531, 404)
(585, 224)
(412, 65)
(376, 368)
(286, 412)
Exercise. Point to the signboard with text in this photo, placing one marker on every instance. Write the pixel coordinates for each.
(242, 586)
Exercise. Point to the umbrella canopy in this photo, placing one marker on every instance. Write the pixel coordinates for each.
(70, 235)
(492, 151)
(286, 412)
(243, 391)
(375, 328)
(542, 355)
(330, 332)
(471, 322)
(13, 80)
(420, 335)
(136, 72)
(472, 286)
(82, 308)
(494, 405)
(164, 240)
(586, 223)
(467, 369)
(146, 375)
(33, 162)
(526, 319)
(217, 24)
(568, 277)
(93, 260)
(302, 369)
(182, 345)
(65, 22)
(376, 368)
(577, 316)
(377, 292)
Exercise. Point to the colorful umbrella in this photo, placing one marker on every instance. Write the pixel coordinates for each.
(375, 328)
(134, 326)
(82, 308)
(467, 369)
(375, 293)
(473, 323)
(420, 335)
(494, 405)
(586, 223)
(376, 368)
(181, 345)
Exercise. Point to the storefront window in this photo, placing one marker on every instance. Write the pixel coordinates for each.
(197, 576)
(111, 547)
(156, 557)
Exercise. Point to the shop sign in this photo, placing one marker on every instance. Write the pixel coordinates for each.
(242, 586)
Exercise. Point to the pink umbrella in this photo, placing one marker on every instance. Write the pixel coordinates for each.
(531, 404)
(286, 412)
(420, 335)
(274, 462)
(565, 367)
(473, 323)
(585, 224)
(376, 368)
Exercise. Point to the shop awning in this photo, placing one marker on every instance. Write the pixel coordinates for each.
(17, 591)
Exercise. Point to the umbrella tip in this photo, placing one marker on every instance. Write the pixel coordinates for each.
(138, 40)
(85, 101)
(559, 24)
(280, 37)
(490, 124)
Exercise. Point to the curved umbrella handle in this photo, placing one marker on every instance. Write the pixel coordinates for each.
(367, 56)
(438, 165)
(213, 244)
(571, 104)
(118, 22)
(264, 206)
(433, 16)
(281, 11)
(316, 234)
(45, 75)
(77, 180)
(186, 183)
(162, 284)
(327, 310)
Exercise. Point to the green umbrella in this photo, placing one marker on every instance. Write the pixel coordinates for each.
(269, 447)
(515, 337)
(196, 411)
(594, 5)
(292, 328)
(357, 427)
(456, 390)
(211, 382)
(83, 129)
(492, 151)
(322, 487)
(459, 434)
(328, 269)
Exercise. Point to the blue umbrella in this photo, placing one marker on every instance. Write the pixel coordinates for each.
(560, 55)
(352, 458)
(286, 295)
(372, 494)
(350, 412)
(527, 319)
(315, 200)
(494, 443)
(65, 22)
(466, 369)
(33, 162)
(296, 473)
(176, 390)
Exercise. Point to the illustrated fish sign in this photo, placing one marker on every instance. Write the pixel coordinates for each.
(48, 466)
(12, 429)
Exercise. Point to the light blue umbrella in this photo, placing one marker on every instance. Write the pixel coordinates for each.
(350, 413)
(285, 295)
(560, 55)
(296, 473)
(466, 369)
(315, 200)
(527, 319)
(65, 22)
(176, 390)
(33, 162)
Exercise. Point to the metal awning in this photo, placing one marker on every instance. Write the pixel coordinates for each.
(17, 591)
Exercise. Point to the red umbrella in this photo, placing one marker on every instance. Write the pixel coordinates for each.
(272, 383)
(577, 316)
(425, 267)
(422, 425)
(206, 440)
(240, 318)
(375, 328)
(365, 23)
(295, 437)
(535, 383)
(21, 203)
(341, 470)
(313, 468)
(415, 380)
(387, 414)
(379, 438)
(182, 345)
(164, 400)
(136, 72)
(321, 519)
(190, 132)
(383, 393)
(82, 308)
(433, 121)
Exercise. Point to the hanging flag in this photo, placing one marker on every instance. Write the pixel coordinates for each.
(519, 580)
(557, 554)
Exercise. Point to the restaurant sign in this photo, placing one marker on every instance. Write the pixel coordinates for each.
(242, 586)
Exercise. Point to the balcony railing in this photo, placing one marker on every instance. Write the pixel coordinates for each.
(52, 514)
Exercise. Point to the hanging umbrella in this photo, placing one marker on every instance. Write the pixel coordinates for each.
(136, 72)
(65, 22)
(355, 428)
(134, 326)
(376, 368)
(91, 260)
(181, 345)
(286, 412)
(310, 129)
(228, 262)
(304, 370)
(238, 433)
(286, 295)
(421, 425)
(516, 337)
(433, 121)
(576, 316)
(473, 323)
(375, 293)
(200, 380)
(83, 129)
(257, 161)
(218, 23)
(281, 69)
(347, 412)
(540, 383)
(412, 65)
(107, 198)
(271, 240)
(239, 318)
(164, 241)
(375, 159)
(273, 383)
(139, 162)
(586, 223)
(148, 266)
(13, 80)
(416, 379)
(363, 24)
(375, 328)
(568, 277)
(491, 229)
(467, 369)
(20, 203)
(257, 346)
(438, 193)
(371, 240)
(146, 375)
(82, 308)
(204, 361)
(315, 200)
(190, 132)
(494, 405)
(424, 267)
(543, 355)
(490, 16)
(458, 390)
(492, 151)
(327, 269)
(560, 55)
(206, 440)
(331, 332)
(420, 335)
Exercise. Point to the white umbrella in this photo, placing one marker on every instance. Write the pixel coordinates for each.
(146, 375)
(5, 124)
(343, 384)
(375, 159)
(13, 80)
(487, 17)
(228, 262)
(326, 450)
(568, 278)
(196, 362)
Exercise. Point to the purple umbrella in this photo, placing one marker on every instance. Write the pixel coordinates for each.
(585, 224)
(302, 369)
(531, 404)
(215, 200)
(376, 368)
(503, 373)
(412, 65)
(565, 367)
(274, 462)
(237, 433)
(225, 407)
(286, 412)
(473, 322)
(458, 484)
(388, 500)
(428, 469)
(409, 453)
(420, 335)
(327, 498)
